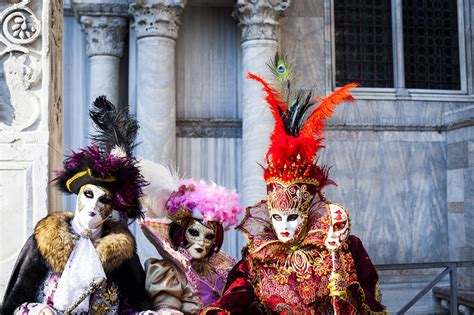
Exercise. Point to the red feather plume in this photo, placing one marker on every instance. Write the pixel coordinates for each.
(273, 99)
(292, 157)
(315, 124)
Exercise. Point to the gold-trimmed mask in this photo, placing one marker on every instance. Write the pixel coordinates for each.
(294, 197)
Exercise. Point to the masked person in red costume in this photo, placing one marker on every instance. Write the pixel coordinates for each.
(300, 257)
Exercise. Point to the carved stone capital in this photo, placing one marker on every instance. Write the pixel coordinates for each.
(259, 19)
(157, 17)
(104, 22)
(104, 34)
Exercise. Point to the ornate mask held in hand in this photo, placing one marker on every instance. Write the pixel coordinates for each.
(340, 227)
(200, 239)
(93, 206)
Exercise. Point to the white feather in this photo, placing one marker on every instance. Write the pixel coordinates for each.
(118, 152)
(163, 181)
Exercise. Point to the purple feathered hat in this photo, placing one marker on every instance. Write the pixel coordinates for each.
(108, 162)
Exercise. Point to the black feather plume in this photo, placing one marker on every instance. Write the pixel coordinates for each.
(294, 117)
(115, 127)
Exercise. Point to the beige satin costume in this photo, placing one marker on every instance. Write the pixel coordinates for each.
(168, 287)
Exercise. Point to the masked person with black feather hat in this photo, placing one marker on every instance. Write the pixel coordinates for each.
(84, 262)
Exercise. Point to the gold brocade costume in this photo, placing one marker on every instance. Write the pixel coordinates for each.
(301, 277)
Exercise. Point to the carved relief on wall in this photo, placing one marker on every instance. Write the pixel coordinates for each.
(20, 29)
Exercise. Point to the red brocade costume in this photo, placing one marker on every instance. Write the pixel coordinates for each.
(274, 277)
(320, 269)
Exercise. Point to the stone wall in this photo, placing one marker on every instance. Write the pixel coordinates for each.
(393, 158)
(30, 120)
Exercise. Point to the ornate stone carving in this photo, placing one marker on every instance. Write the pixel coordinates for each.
(259, 19)
(104, 34)
(19, 26)
(21, 74)
(157, 17)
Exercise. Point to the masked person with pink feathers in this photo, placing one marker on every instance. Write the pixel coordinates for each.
(185, 221)
(84, 262)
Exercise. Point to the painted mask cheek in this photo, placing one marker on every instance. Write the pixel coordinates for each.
(278, 226)
(104, 210)
(294, 225)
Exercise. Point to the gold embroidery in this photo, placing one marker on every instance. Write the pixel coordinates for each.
(101, 309)
(111, 296)
(292, 198)
(337, 286)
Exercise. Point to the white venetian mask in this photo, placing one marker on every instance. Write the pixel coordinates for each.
(93, 206)
(340, 226)
(200, 239)
(286, 224)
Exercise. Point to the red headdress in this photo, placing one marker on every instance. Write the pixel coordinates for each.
(292, 174)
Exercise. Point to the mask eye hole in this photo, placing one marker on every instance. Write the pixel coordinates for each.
(193, 232)
(276, 217)
(89, 193)
(293, 217)
(339, 226)
(105, 199)
(210, 237)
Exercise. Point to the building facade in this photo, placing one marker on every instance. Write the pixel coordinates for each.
(402, 155)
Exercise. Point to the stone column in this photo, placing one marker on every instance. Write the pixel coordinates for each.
(30, 121)
(156, 25)
(105, 24)
(259, 21)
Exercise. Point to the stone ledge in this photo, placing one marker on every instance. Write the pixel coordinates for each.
(100, 8)
(209, 128)
(465, 295)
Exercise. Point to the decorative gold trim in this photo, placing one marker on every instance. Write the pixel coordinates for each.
(291, 182)
(88, 172)
(70, 180)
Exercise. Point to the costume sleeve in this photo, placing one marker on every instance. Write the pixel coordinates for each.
(366, 274)
(28, 274)
(169, 288)
(130, 278)
(239, 296)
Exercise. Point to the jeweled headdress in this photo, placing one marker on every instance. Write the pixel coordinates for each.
(108, 162)
(293, 175)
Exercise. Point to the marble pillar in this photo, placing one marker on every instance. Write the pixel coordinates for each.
(259, 21)
(104, 26)
(156, 25)
(30, 121)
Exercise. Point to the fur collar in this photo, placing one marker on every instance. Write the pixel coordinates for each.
(56, 240)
